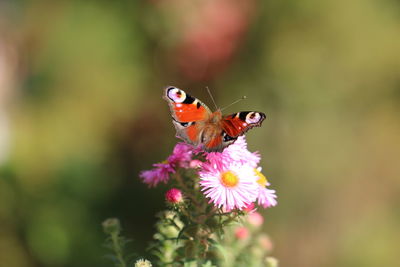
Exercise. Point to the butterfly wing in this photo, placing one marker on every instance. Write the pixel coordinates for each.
(217, 143)
(233, 126)
(239, 123)
(186, 112)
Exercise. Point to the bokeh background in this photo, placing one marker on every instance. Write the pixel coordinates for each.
(81, 114)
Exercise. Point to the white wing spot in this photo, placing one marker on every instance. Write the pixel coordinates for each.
(176, 95)
(253, 117)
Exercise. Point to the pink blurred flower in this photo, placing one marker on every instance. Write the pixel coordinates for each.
(212, 34)
(241, 233)
(180, 157)
(228, 186)
(255, 219)
(236, 153)
(159, 174)
(266, 197)
(174, 196)
(265, 242)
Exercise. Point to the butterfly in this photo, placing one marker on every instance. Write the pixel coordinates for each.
(196, 124)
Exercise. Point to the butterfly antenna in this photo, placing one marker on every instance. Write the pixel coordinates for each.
(212, 98)
(240, 99)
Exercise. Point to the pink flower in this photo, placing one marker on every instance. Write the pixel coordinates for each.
(265, 242)
(266, 197)
(250, 208)
(241, 233)
(255, 219)
(194, 164)
(174, 196)
(157, 175)
(180, 157)
(228, 186)
(236, 153)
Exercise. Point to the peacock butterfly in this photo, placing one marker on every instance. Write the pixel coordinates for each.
(196, 124)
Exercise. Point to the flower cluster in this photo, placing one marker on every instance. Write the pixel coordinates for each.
(211, 217)
(231, 179)
(180, 158)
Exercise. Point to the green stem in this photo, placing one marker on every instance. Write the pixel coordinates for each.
(118, 249)
(187, 190)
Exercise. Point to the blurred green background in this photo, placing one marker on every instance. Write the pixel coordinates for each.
(81, 115)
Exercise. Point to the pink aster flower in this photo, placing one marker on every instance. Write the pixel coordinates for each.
(229, 186)
(236, 153)
(266, 197)
(180, 157)
(159, 174)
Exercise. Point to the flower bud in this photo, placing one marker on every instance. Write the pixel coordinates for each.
(250, 207)
(265, 242)
(174, 196)
(271, 262)
(255, 219)
(241, 233)
(143, 263)
(111, 226)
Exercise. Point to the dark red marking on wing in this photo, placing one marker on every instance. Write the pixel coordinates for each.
(214, 143)
(235, 124)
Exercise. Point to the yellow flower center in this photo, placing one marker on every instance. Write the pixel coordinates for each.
(262, 180)
(164, 162)
(229, 179)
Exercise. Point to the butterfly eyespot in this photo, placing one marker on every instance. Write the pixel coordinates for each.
(176, 95)
(253, 117)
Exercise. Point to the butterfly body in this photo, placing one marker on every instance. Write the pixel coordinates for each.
(197, 125)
